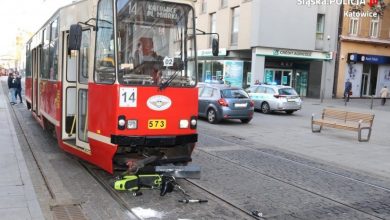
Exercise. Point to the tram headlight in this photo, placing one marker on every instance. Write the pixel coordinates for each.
(121, 122)
(193, 122)
(183, 123)
(132, 124)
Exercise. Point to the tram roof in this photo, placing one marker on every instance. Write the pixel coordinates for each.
(38, 33)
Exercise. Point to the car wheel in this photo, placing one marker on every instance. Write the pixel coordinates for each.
(289, 112)
(211, 116)
(246, 121)
(265, 108)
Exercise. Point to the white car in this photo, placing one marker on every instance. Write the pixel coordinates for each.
(268, 98)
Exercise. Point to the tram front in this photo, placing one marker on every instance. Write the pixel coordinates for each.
(143, 101)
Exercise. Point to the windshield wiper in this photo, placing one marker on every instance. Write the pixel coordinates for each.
(168, 82)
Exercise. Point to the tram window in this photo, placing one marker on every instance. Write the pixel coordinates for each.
(84, 58)
(82, 115)
(104, 53)
(44, 56)
(28, 61)
(53, 51)
(151, 47)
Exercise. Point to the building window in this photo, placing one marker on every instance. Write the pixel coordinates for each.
(224, 3)
(320, 26)
(204, 6)
(213, 26)
(353, 26)
(235, 25)
(374, 27)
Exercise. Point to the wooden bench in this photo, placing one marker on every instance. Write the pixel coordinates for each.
(336, 118)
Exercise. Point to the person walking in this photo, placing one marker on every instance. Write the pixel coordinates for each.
(18, 91)
(12, 88)
(347, 90)
(384, 93)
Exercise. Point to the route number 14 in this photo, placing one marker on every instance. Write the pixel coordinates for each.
(127, 97)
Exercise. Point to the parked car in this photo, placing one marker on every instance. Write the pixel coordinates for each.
(268, 98)
(219, 101)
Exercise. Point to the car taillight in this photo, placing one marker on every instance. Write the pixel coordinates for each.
(279, 96)
(223, 102)
(251, 103)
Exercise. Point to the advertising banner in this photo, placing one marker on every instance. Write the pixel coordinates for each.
(233, 72)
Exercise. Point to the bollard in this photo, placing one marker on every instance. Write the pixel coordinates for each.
(345, 100)
(372, 101)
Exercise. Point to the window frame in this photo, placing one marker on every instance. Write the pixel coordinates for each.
(224, 3)
(353, 26)
(235, 25)
(53, 49)
(375, 22)
(320, 27)
(203, 7)
(213, 27)
(113, 34)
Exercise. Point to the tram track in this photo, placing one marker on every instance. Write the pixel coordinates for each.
(246, 212)
(288, 183)
(108, 188)
(127, 208)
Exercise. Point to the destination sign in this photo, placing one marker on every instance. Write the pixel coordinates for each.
(157, 12)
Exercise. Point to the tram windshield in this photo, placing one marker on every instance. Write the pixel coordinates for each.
(156, 43)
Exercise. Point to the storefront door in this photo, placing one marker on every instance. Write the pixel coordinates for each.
(300, 84)
(366, 84)
(278, 76)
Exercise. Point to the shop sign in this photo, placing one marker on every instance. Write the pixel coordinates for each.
(366, 58)
(209, 52)
(306, 54)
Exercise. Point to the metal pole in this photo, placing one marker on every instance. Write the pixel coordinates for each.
(322, 95)
(372, 101)
(345, 99)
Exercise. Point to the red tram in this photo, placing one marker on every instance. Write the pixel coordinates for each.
(115, 80)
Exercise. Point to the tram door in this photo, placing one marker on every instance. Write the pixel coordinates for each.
(36, 58)
(75, 90)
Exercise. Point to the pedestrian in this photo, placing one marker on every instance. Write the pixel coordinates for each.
(12, 88)
(384, 93)
(347, 90)
(18, 87)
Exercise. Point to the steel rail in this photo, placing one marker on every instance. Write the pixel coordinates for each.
(292, 184)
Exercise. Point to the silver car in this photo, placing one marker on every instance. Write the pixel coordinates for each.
(270, 98)
(219, 101)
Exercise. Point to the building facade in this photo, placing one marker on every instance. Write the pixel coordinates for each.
(276, 42)
(364, 50)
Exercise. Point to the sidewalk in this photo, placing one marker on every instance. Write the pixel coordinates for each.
(17, 196)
